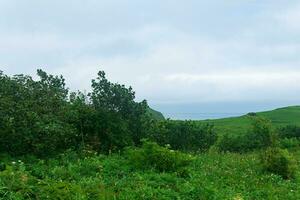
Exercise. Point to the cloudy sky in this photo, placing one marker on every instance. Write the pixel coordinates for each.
(171, 52)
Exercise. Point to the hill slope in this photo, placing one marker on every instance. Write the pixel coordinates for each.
(279, 117)
(155, 114)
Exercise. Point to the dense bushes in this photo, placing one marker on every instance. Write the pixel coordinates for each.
(153, 156)
(289, 131)
(232, 143)
(40, 117)
(279, 161)
(184, 135)
(32, 115)
(289, 143)
(260, 136)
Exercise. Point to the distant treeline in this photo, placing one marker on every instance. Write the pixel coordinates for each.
(42, 117)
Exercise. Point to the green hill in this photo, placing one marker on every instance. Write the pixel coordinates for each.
(155, 114)
(279, 117)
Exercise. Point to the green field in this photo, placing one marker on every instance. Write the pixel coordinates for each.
(237, 125)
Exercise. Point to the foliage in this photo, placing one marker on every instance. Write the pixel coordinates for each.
(260, 136)
(279, 161)
(33, 114)
(60, 135)
(289, 143)
(42, 118)
(75, 176)
(231, 143)
(118, 102)
(153, 156)
(290, 131)
(252, 114)
(184, 135)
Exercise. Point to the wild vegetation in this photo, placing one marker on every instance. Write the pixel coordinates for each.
(57, 144)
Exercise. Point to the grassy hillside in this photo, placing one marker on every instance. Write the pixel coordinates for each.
(279, 117)
(155, 114)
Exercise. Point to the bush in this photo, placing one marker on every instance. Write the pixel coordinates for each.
(260, 136)
(252, 114)
(289, 131)
(163, 159)
(42, 118)
(289, 143)
(278, 161)
(184, 135)
(231, 143)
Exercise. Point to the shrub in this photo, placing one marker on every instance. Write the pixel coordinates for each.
(231, 143)
(163, 159)
(260, 136)
(289, 143)
(252, 114)
(40, 117)
(184, 135)
(278, 161)
(289, 131)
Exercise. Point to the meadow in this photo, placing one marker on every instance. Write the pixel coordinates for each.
(211, 176)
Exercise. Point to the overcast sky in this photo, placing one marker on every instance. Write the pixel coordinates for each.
(184, 51)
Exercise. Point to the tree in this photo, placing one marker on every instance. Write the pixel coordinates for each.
(126, 117)
(33, 114)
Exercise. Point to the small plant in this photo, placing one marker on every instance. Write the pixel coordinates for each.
(279, 161)
(163, 159)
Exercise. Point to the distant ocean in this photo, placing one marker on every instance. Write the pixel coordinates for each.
(200, 116)
(215, 110)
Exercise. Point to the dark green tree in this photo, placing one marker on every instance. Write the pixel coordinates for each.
(33, 114)
(125, 119)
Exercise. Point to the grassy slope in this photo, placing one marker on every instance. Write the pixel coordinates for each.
(155, 114)
(279, 117)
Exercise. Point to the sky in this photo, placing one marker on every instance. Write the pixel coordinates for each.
(191, 55)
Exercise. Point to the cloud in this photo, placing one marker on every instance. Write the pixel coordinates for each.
(290, 18)
(169, 52)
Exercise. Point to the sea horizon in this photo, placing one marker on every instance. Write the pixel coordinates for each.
(215, 110)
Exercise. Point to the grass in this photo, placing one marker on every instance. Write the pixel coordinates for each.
(237, 125)
(211, 176)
